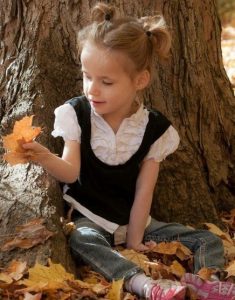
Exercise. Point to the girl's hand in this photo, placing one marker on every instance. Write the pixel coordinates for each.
(37, 152)
(148, 246)
(139, 247)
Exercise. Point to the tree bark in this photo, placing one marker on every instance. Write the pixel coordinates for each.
(40, 71)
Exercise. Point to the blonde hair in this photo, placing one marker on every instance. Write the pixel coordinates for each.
(140, 39)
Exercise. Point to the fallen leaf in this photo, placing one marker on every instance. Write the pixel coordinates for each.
(229, 250)
(173, 248)
(115, 293)
(137, 258)
(23, 132)
(5, 278)
(177, 269)
(16, 269)
(28, 296)
(28, 235)
(158, 270)
(217, 231)
(205, 273)
(229, 219)
(230, 269)
(14, 158)
(47, 278)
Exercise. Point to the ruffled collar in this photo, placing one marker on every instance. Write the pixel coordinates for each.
(136, 117)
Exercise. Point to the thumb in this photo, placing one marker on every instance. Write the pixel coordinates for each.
(30, 145)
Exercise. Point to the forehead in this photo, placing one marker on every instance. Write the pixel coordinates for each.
(104, 59)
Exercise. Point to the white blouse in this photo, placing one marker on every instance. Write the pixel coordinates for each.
(115, 148)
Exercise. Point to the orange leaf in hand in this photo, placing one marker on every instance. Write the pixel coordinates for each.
(23, 132)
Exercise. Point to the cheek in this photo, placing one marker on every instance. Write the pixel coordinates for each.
(84, 84)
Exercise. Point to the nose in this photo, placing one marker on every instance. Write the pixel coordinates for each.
(93, 88)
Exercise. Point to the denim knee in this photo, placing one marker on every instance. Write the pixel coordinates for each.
(210, 253)
(85, 235)
(214, 241)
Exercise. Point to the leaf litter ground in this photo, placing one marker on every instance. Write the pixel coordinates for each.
(165, 260)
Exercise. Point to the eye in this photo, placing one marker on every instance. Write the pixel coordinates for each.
(107, 82)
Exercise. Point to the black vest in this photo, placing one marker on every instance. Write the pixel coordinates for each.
(108, 191)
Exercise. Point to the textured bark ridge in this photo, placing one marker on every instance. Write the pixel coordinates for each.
(40, 70)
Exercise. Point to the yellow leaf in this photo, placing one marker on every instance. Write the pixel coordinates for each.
(5, 278)
(173, 248)
(99, 288)
(230, 269)
(115, 292)
(137, 258)
(177, 269)
(47, 278)
(205, 273)
(229, 250)
(217, 231)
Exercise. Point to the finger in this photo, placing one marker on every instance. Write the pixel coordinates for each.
(142, 247)
(28, 145)
(151, 244)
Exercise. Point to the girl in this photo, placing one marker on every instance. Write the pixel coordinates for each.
(112, 151)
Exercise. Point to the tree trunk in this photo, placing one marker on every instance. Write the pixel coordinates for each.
(40, 70)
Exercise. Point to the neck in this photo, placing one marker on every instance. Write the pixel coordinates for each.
(115, 121)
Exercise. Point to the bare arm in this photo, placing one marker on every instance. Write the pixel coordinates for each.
(142, 204)
(65, 169)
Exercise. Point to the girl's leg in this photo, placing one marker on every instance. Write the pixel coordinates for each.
(208, 252)
(92, 244)
(207, 248)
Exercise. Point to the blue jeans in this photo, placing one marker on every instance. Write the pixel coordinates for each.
(92, 244)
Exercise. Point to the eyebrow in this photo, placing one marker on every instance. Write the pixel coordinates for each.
(100, 77)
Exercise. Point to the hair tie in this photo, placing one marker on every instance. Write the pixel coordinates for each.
(107, 17)
(149, 33)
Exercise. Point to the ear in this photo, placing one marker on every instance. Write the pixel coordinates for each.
(142, 79)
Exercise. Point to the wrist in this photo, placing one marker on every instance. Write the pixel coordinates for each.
(42, 157)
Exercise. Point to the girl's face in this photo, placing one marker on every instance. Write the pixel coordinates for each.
(106, 83)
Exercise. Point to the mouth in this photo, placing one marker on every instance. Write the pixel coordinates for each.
(97, 102)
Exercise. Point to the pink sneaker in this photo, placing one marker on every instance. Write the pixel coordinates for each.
(164, 289)
(210, 290)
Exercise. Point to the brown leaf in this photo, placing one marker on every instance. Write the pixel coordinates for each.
(16, 269)
(158, 270)
(28, 235)
(229, 219)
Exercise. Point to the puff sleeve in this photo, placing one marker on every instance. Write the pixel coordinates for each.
(165, 145)
(66, 123)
